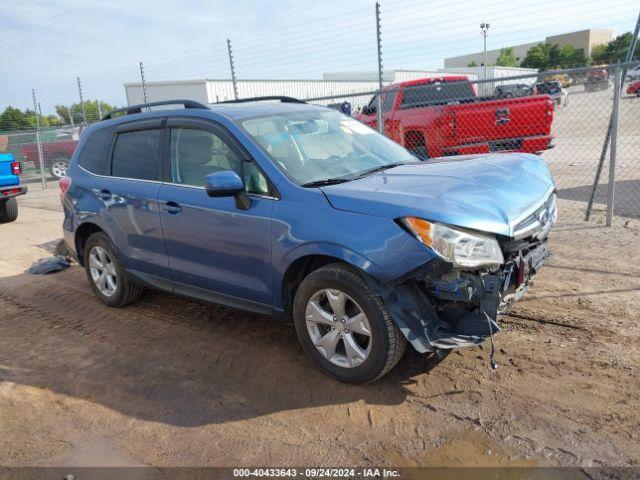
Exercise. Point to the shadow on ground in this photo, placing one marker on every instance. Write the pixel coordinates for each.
(627, 196)
(167, 359)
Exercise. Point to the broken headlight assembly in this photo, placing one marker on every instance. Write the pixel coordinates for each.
(462, 248)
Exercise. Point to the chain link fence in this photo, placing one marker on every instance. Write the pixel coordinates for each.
(565, 116)
(562, 115)
(44, 154)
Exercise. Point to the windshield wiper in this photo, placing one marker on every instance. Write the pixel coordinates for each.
(326, 181)
(379, 168)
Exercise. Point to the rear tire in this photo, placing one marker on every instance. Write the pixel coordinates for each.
(59, 168)
(106, 275)
(8, 210)
(375, 338)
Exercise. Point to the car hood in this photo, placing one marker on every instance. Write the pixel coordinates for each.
(490, 193)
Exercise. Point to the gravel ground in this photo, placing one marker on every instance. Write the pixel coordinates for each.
(169, 381)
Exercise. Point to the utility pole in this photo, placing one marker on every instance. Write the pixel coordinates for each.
(614, 144)
(379, 113)
(605, 146)
(84, 114)
(484, 27)
(233, 70)
(38, 143)
(144, 86)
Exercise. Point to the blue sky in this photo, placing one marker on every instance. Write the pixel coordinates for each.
(47, 44)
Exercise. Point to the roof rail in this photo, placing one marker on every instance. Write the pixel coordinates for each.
(282, 99)
(131, 109)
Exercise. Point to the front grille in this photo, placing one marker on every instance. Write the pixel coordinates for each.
(539, 222)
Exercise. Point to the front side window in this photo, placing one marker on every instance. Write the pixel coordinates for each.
(197, 153)
(324, 145)
(136, 155)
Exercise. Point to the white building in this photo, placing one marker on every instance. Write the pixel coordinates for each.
(212, 90)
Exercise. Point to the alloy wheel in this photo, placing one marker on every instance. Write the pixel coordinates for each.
(338, 328)
(59, 168)
(103, 272)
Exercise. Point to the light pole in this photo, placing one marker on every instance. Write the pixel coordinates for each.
(484, 27)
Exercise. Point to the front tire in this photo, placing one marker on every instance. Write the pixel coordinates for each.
(9, 210)
(344, 326)
(106, 275)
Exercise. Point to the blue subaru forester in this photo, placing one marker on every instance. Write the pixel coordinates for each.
(304, 213)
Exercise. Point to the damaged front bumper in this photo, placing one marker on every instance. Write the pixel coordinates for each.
(438, 307)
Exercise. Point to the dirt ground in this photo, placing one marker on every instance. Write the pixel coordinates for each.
(170, 381)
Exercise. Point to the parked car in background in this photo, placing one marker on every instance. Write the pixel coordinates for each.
(56, 154)
(554, 90)
(304, 213)
(562, 78)
(633, 74)
(634, 88)
(433, 117)
(597, 79)
(513, 90)
(10, 187)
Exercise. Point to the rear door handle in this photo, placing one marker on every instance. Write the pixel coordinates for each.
(172, 208)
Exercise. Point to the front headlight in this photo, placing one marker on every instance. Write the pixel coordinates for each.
(461, 247)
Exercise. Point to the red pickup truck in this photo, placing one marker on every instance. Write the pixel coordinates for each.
(56, 155)
(435, 117)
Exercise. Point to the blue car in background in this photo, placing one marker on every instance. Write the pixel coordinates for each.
(10, 187)
(301, 212)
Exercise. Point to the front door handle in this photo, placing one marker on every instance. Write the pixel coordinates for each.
(173, 208)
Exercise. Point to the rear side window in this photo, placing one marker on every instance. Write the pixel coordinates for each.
(95, 152)
(137, 155)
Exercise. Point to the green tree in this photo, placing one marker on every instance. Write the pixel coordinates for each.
(571, 56)
(615, 50)
(598, 53)
(507, 58)
(13, 119)
(538, 57)
(472, 63)
(91, 109)
(546, 56)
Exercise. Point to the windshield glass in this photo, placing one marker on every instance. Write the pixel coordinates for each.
(316, 145)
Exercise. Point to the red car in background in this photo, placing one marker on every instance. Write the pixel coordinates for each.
(56, 155)
(634, 88)
(434, 117)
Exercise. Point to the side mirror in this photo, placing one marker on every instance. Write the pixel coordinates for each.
(223, 184)
(227, 184)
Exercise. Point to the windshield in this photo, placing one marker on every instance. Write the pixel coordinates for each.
(324, 146)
